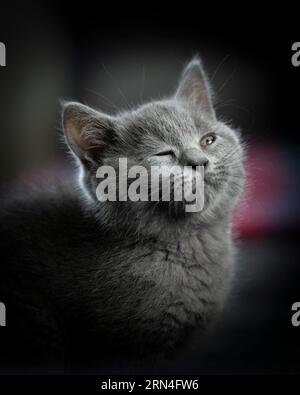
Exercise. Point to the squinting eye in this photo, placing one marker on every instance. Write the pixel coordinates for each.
(208, 140)
(166, 153)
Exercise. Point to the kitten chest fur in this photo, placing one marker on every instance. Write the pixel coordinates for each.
(164, 287)
(188, 274)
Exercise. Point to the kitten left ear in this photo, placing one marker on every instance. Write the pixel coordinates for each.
(195, 89)
(87, 131)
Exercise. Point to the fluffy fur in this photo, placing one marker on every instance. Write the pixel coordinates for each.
(137, 276)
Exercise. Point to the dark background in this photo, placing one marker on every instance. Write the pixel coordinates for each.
(116, 59)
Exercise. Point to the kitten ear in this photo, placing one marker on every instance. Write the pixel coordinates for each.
(87, 131)
(195, 89)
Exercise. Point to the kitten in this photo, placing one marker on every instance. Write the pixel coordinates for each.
(136, 277)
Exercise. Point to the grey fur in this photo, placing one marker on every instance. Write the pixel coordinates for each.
(137, 274)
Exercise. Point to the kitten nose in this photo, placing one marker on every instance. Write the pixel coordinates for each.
(193, 157)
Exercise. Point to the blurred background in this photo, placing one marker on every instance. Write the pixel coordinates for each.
(115, 61)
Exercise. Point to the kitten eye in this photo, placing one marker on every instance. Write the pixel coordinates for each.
(208, 140)
(166, 153)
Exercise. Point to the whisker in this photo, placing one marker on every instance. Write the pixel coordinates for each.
(117, 86)
(226, 81)
(219, 66)
(109, 102)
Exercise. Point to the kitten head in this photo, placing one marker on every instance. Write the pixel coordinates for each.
(180, 131)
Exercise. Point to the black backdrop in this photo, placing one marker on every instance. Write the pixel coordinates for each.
(87, 52)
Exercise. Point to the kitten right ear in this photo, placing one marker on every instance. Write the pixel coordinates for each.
(194, 88)
(87, 131)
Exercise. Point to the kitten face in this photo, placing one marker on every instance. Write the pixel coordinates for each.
(181, 131)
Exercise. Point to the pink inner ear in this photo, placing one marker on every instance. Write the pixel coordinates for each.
(85, 130)
(84, 142)
(194, 89)
(198, 91)
(73, 131)
(78, 140)
(200, 95)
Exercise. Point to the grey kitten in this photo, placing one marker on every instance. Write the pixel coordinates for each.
(137, 276)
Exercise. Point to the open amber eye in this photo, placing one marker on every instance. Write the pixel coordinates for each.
(208, 140)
